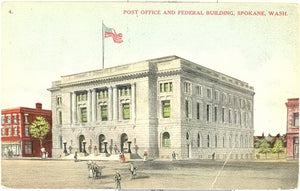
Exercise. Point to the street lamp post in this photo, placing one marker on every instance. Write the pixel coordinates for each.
(105, 146)
(129, 150)
(65, 147)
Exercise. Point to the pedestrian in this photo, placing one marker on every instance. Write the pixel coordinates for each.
(118, 180)
(173, 155)
(132, 170)
(90, 168)
(116, 149)
(70, 149)
(75, 156)
(95, 151)
(145, 156)
(123, 158)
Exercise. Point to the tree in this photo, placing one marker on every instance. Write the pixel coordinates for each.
(278, 147)
(39, 129)
(264, 147)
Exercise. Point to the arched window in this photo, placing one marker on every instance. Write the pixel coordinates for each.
(241, 141)
(198, 140)
(208, 141)
(101, 143)
(166, 139)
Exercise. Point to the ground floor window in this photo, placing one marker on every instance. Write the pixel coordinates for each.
(28, 147)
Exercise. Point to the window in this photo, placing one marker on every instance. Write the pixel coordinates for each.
(126, 111)
(240, 116)
(216, 95)
(9, 119)
(27, 131)
(198, 110)
(15, 132)
(241, 142)
(208, 92)
(26, 118)
(28, 147)
(103, 94)
(3, 132)
(58, 100)
(9, 132)
(223, 142)
(187, 108)
(82, 97)
(15, 118)
(60, 142)
(104, 112)
(230, 142)
(216, 114)
(229, 115)
(216, 141)
(2, 119)
(208, 141)
(207, 112)
(166, 109)
(235, 117)
(198, 140)
(60, 118)
(125, 91)
(245, 118)
(296, 119)
(165, 87)
(223, 115)
(166, 140)
(83, 115)
(199, 90)
(187, 87)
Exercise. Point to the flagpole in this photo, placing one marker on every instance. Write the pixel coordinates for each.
(102, 46)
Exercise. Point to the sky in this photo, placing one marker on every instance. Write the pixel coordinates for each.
(43, 41)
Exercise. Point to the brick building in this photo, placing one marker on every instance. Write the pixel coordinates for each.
(159, 105)
(15, 135)
(292, 130)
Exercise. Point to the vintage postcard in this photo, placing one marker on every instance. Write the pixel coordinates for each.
(149, 95)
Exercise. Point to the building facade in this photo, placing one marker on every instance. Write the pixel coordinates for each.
(15, 135)
(160, 105)
(292, 131)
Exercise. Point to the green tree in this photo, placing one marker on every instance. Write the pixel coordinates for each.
(39, 129)
(264, 147)
(278, 147)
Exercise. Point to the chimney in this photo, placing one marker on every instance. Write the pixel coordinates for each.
(38, 106)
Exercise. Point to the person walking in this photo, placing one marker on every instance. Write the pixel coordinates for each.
(132, 169)
(118, 180)
(173, 155)
(75, 156)
(95, 151)
(145, 156)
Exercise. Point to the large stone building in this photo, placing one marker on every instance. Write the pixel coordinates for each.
(159, 105)
(292, 129)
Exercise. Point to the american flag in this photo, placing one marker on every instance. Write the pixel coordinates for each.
(110, 32)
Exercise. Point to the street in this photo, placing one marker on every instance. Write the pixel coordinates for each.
(187, 174)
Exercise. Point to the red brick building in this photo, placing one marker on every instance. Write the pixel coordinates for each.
(292, 132)
(15, 135)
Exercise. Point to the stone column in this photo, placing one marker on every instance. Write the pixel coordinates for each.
(89, 103)
(133, 101)
(110, 103)
(115, 103)
(74, 108)
(94, 106)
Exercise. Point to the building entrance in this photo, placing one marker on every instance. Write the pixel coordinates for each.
(81, 139)
(124, 139)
